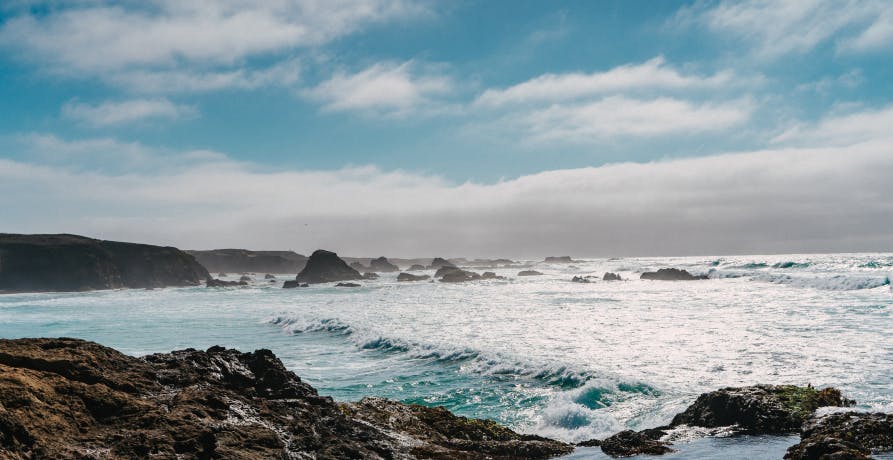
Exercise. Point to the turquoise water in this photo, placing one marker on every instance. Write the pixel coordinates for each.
(541, 354)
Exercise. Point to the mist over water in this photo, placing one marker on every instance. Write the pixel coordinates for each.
(544, 355)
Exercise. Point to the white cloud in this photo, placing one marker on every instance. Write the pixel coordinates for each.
(286, 73)
(384, 87)
(774, 29)
(788, 199)
(122, 112)
(653, 74)
(159, 38)
(619, 116)
(842, 129)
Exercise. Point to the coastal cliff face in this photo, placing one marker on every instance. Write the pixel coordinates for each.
(77, 263)
(243, 260)
(67, 398)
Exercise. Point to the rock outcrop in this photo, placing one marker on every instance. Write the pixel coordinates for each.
(244, 260)
(411, 277)
(491, 276)
(382, 264)
(529, 273)
(759, 409)
(211, 282)
(35, 263)
(291, 284)
(611, 277)
(671, 274)
(847, 435)
(415, 268)
(459, 276)
(580, 279)
(438, 262)
(347, 285)
(559, 260)
(628, 443)
(67, 398)
(326, 267)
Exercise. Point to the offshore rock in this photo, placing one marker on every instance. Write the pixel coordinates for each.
(491, 276)
(67, 398)
(211, 282)
(35, 263)
(291, 284)
(370, 276)
(382, 264)
(444, 270)
(529, 273)
(347, 285)
(846, 435)
(580, 279)
(671, 274)
(326, 267)
(459, 276)
(440, 263)
(559, 260)
(411, 277)
(416, 267)
(760, 409)
(611, 277)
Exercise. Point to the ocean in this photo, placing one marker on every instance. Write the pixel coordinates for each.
(541, 354)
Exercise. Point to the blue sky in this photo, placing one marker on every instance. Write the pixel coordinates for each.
(406, 116)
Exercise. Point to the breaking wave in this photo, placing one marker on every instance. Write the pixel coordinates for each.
(831, 283)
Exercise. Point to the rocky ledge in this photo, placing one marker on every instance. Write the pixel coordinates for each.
(67, 398)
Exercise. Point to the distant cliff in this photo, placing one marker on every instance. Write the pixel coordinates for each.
(77, 263)
(244, 261)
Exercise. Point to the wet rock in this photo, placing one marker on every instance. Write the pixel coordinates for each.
(759, 409)
(245, 279)
(382, 264)
(580, 279)
(459, 276)
(438, 262)
(411, 277)
(671, 274)
(347, 285)
(559, 260)
(370, 276)
(326, 267)
(611, 277)
(66, 398)
(291, 284)
(491, 276)
(416, 267)
(846, 435)
(444, 270)
(211, 282)
(628, 443)
(269, 277)
(529, 273)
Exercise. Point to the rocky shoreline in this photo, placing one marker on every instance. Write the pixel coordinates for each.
(69, 398)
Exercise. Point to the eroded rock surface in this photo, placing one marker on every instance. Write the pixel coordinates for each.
(67, 398)
(846, 435)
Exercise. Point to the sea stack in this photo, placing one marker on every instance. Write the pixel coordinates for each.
(326, 267)
(383, 265)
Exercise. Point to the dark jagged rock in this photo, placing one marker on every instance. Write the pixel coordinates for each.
(382, 264)
(611, 277)
(559, 260)
(628, 443)
(491, 276)
(211, 282)
(269, 276)
(847, 435)
(450, 436)
(438, 262)
(326, 267)
(34, 263)
(459, 276)
(671, 274)
(416, 267)
(411, 277)
(529, 273)
(67, 398)
(291, 284)
(580, 279)
(370, 276)
(759, 409)
(247, 261)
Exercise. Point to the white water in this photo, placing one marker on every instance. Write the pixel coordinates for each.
(561, 359)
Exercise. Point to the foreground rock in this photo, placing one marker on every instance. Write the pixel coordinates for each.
(66, 398)
(628, 443)
(34, 263)
(326, 267)
(671, 274)
(760, 409)
(382, 264)
(847, 435)
(411, 277)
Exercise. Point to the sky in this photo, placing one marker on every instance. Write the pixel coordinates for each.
(467, 128)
